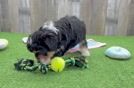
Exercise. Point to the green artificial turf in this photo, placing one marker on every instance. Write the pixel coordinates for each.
(102, 72)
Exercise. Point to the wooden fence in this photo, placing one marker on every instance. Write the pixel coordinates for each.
(102, 17)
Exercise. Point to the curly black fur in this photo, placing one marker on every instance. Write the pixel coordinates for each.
(71, 31)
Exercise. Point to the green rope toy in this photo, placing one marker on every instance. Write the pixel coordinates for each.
(30, 65)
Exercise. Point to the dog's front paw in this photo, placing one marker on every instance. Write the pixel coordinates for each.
(81, 62)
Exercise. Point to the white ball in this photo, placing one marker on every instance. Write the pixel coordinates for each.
(24, 39)
(3, 43)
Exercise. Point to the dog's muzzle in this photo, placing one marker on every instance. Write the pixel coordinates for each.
(42, 57)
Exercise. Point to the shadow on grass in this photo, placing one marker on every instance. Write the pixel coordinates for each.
(4, 49)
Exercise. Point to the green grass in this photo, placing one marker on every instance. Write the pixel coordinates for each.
(102, 72)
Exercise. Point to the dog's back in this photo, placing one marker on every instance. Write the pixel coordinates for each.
(72, 30)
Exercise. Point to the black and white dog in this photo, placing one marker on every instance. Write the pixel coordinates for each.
(56, 38)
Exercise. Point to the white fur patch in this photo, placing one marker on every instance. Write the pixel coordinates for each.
(29, 41)
(50, 26)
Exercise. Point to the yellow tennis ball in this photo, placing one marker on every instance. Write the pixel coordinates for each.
(57, 64)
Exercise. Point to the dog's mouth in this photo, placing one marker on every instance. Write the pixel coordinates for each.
(43, 59)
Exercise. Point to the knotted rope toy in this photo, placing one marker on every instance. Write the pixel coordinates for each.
(56, 64)
(30, 65)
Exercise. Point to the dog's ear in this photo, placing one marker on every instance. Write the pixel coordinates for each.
(51, 42)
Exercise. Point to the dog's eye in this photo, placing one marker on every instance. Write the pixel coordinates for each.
(30, 48)
(38, 48)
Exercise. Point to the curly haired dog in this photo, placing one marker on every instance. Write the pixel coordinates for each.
(55, 38)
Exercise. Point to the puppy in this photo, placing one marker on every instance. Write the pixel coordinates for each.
(56, 38)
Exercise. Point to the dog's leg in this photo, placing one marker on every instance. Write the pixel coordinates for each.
(83, 48)
(82, 60)
(60, 52)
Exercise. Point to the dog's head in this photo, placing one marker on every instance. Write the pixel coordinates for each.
(43, 43)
